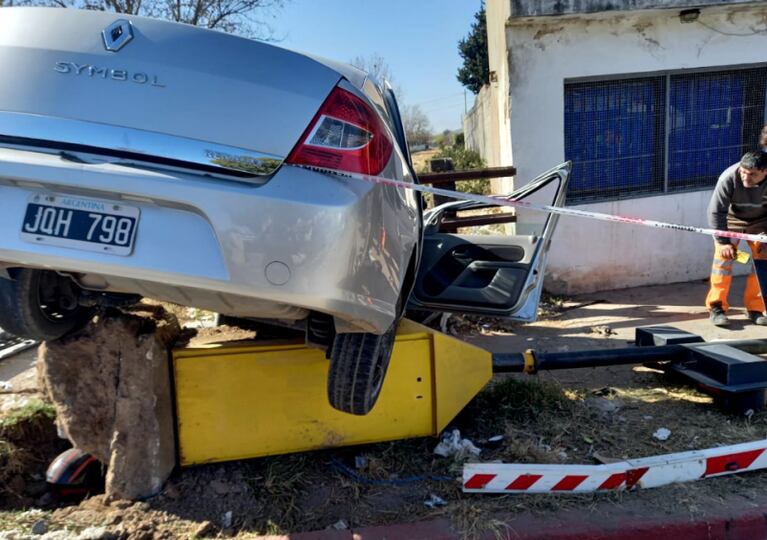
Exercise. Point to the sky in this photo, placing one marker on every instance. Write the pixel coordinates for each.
(417, 38)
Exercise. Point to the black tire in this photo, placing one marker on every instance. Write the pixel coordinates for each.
(358, 364)
(31, 305)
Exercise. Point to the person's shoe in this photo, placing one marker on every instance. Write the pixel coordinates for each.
(757, 317)
(718, 317)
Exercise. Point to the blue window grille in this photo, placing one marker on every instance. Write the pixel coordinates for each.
(613, 135)
(634, 137)
(714, 118)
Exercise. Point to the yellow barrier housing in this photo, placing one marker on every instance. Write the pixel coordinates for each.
(244, 401)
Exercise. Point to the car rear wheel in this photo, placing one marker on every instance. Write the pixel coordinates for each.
(358, 364)
(40, 305)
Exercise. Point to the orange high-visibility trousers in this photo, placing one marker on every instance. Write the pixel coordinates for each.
(721, 279)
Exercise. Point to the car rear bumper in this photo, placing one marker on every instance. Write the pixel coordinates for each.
(301, 241)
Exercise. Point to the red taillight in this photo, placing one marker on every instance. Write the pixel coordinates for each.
(346, 135)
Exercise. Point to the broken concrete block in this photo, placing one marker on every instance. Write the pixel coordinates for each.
(111, 386)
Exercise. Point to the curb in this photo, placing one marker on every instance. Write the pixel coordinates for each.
(751, 525)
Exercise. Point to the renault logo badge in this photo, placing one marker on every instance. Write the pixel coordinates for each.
(117, 34)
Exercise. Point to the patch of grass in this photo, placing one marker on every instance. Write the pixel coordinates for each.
(515, 401)
(34, 411)
(280, 480)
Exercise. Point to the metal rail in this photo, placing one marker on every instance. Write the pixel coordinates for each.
(437, 178)
(544, 361)
(10, 345)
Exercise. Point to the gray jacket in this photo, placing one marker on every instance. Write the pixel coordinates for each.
(734, 207)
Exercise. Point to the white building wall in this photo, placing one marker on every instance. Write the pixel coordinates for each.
(543, 53)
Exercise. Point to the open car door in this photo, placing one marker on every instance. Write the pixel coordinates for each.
(496, 275)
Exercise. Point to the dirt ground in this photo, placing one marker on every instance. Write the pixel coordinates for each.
(578, 416)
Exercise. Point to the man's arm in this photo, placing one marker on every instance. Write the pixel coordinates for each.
(719, 206)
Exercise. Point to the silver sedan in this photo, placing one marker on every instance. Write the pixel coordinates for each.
(146, 158)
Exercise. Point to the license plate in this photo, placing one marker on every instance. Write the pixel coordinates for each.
(88, 224)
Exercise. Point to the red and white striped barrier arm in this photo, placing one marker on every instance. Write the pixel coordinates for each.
(500, 200)
(633, 473)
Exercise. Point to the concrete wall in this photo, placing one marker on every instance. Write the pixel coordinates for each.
(498, 58)
(537, 8)
(480, 125)
(543, 54)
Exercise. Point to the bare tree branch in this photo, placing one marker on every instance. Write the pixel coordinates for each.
(417, 125)
(376, 66)
(236, 16)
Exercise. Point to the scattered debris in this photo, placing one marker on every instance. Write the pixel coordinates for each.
(171, 491)
(206, 528)
(476, 325)
(434, 501)
(226, 520)
(604, 406)
(219, 487)
(452, 445)
(443, 322)
(340, 525)
(604, 459)
(662, 434)
(551, 310)
(40, 527)
(603, 330)
(361, 462)
(6, 386)
(492, 442)
(94, 533)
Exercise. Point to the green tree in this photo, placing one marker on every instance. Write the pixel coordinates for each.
(475, 71)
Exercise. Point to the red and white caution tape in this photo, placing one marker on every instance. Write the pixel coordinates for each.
(500, 200)
(633, 473)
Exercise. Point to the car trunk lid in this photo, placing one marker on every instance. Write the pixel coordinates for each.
(170, 90)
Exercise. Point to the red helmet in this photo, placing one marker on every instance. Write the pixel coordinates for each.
(75, 473)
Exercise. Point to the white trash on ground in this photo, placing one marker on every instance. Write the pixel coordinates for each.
(434, 501)
(340, 525)
(452, 445)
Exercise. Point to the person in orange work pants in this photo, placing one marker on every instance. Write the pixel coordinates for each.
(721, 279)
(738, 204)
